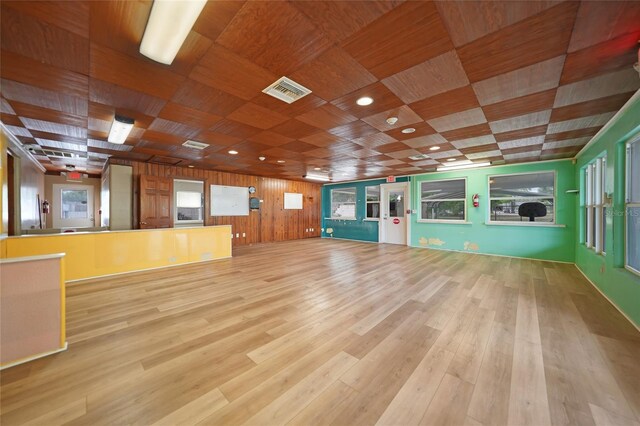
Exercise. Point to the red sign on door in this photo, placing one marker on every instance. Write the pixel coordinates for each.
(396, 221)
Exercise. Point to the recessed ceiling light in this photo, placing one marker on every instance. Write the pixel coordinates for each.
(392, 120)
(317, 168)
(280, 161)
(364, 101)
(233, 152)
(451, 159)
(408, 130)
(191, 166)
(434, 148)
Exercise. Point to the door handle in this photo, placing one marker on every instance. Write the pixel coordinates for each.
(143, 223)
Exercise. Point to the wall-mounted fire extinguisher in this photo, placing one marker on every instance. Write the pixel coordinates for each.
(476, 200)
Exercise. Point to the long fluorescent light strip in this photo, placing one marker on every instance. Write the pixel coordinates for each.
(120, 130)
(167, 28)
(317, 177)
(463, 166)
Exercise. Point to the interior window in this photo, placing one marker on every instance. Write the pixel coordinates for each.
(74, 204)
(528, 197)
(632, 207)
(343, 203)
(443, 200)
(373, 202)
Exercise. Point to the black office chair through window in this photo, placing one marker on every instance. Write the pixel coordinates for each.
(532, 210)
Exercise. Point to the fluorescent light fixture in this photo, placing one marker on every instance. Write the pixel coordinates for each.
(120, 129)
(314, 176)
(364, 101)
(463, 166)
(168, 26)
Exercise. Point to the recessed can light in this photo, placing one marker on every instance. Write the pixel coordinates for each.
(317, 168)
(233, 152)
(434, 148)
(191, 166)
(364, 101)
(408, 130)
(280, 161)
(451, 159)
(392, 120)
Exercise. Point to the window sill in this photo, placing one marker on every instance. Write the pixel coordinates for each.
(450, 222)
(371, 220)
(340, 218)
(525, 224)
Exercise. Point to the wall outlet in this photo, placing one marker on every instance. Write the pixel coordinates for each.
(306, 230)
(244, 234)
(237, 235)
(311, 229)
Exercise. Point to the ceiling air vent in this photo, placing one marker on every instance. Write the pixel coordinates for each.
(195, 144)
(286, 90)
(419, 157)
(52, 153)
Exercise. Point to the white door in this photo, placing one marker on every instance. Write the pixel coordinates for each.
(393, 223)
(72, 206)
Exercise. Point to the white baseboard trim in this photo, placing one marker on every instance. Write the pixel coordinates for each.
(34, 357)
(607, 297)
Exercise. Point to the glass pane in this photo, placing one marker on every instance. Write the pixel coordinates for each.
(633, 179)
(74, 204)
(343, 203)
(396, 203)
(189, 199)
(373, 210)
(373, 193)
(633, 237)
(443, 210)
(189, 213)
(604, 229)
(585, 226)
(522, 210)
(443, 190)
(526, 186)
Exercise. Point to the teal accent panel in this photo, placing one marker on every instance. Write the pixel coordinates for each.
(537, 242)
(359, 229)
(607, 271)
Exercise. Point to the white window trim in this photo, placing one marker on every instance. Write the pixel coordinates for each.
(594, 204)
(456, 221)
(367, 202)
(355, 203)
(518, 223)
(627, 204)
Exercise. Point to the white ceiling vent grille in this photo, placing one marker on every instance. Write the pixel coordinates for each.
(53, 154)
(195, 144)
(419, 157)
(287, 90)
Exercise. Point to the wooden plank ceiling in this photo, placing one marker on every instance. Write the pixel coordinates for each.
(498, 81)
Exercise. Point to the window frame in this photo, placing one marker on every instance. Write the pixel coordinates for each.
(595, 203)
(177, 207)
(523, 223)
(454, 221)
(367, 202)
(355, 203)
(628, 203)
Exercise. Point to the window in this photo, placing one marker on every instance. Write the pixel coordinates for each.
(373, 202)
(189, 206)
(74, 204)
(632, 207)
(594, 208)
(443, 200)
(522, 198)
(343, 203)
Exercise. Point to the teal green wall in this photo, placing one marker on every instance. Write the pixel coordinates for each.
(607, 271)
(537, 242)
(359, 229)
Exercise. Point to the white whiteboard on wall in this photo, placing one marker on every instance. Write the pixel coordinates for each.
(292, 201)
(229, 200)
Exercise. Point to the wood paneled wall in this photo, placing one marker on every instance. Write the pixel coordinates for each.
(271, 223)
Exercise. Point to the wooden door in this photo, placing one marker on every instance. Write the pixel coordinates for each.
(156, 201)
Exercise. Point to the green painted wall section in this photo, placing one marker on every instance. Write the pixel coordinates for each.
(537, 242)
(607, 272)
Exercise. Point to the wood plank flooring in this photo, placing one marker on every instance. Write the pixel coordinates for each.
(336, 332)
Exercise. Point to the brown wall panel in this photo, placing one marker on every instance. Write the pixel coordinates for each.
(271, 223)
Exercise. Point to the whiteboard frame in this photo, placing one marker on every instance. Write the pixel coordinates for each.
(240, 201)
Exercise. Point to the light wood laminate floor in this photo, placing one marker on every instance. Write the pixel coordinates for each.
(336, 332)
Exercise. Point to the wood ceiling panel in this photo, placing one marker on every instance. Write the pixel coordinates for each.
(107, 113)
(596, 106)
(426, 141)
(257, 116)
(217, 139)
(119, 97)
(31, 111)
(270, 138)
(601, 21)
(467, 21)
(295, 129)
(119, 24)
(280, 38)
(458, 120)
(437, 75)
(36, 73)
(383, 100)
(393, 147)
(22, 34)
(408, 35)
(11, 120)
(136, 74)
(374, 140)
(421, 129)
(516, 143)
(27, 94)
(5, 107)
(473, 142)
(173, 128)
(598, 120)
(224, 70)
(521, 122)
(489, 149)
(446, 103)
(525, 81)
(405, 115)
(299, 107)
(340, 19)
(333, 74)
(50, 127)
(72, 16)
(207, 99)
(234, 128)
(326, 117)
(357, 129)
(215, 17)
(598, 87)
(538, 38)
(167, 141)
(522, 149)
(58, 137)
(190, 116)
(322, 139)
(481, 129)
(612, 55)
(298, 146)
(521, 134)
(572, 134)
(520, 106)
(579, 142)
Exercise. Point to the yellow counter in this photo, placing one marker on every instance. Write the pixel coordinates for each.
(95, 254)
